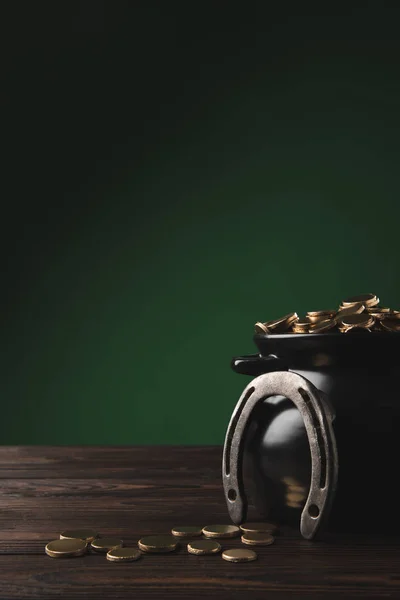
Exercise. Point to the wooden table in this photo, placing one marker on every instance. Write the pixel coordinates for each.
(134, 491)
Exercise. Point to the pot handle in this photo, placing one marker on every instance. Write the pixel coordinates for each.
(317, 419)
(255, 364)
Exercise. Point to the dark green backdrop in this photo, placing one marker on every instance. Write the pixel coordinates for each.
(174, 177)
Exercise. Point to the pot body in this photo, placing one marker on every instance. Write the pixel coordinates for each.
(363, 396)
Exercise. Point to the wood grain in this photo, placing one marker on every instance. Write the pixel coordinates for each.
(131, 492)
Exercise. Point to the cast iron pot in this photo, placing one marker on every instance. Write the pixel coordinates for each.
(314, 439)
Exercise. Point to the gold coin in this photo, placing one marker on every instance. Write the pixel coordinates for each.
(322, 326)
(390, 324)
(304, 322)
(221, 531)
(257, 539)
(158, 543)
(378, 316)
(66, 547)
(377, 310)
(283, 323)
(357, 329)
(395, 315)
(204, 547)
(105, 544)
(366, 299)
(313, 315)
(239, 555)
(317, 313)
(123, 554)
(187, 531)
(299, 330)
(355, 309)
(258, 527)
(260, 328)
(319, 318)
(358, 320)
(79, 534)
(301, 326)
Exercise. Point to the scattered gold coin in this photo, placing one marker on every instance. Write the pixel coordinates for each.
(204, 547)
(66, 547)
(105, 544)
(252, 538)
(158, 543)
(186, 531)
(123, 554)
(79, 534)
(221, 531)
(258, 527)
(239, 555)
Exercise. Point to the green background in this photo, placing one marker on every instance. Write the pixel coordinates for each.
(173, 179)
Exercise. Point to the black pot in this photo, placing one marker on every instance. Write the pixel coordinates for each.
(313, 438)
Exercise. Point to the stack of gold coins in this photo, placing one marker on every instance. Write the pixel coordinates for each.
(361, 313)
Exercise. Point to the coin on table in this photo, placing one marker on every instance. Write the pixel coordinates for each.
(105, 544)
(204, 547)
(356, 329)
(123, 554)
(258, 527)
(253, 538)
(357, 320)
(66, 547)
(221, 531)
(366, 299)
(157, 543)
(260, 328)
(79, 534)
(350, 310)
(321, 326)
(283, 323)
(186, 531)
(239, 555)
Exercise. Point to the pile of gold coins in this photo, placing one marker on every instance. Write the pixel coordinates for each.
(81, 541)
(356, 314)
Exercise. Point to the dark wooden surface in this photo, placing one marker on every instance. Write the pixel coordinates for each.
(130, 492)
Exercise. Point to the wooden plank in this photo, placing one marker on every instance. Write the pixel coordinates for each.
(92, 462)
(314, 574)
(131, 492)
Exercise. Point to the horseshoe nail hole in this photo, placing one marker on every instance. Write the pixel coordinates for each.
(232, 495)
(313, 511)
